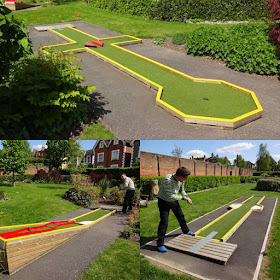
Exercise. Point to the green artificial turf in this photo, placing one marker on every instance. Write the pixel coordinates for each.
(93, 216)
(225, 224)
(34, 203)
(120, 261)
(198, 99)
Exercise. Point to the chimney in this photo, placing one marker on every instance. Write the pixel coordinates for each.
(192, 157)
(204, 158)
(212, 155)
(217, 156)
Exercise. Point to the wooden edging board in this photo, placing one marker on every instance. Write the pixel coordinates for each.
(16, 253)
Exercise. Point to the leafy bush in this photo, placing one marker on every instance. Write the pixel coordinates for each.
(271, 173)
(52, 177)
(104, 185)
(43, 96)
(179, 38)
(268, 185)
(78, 197)
(14, 41)
(3, 196)
(274, 33)
(244, 47)
(159, 40)
(95, 178)
(183, 10)
(26, 178)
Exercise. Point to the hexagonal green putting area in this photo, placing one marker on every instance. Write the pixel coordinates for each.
(192, 100)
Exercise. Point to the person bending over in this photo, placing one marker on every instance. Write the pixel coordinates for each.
(128, 185)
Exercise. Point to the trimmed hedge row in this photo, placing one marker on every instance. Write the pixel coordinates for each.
(268, 185)
(196, 183)
(26, 178)
(271, 173)
(184, 10)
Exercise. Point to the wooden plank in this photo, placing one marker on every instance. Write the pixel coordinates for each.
(212, 250)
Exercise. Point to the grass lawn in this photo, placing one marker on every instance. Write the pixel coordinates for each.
(125, 24)
(120, 261)
(151, 272)
(198, 99)
(96, 131)
(33, 203)
(206, 202)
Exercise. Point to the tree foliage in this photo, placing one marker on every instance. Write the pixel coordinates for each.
(60, 152)
(224, 161)
(15, 156)
(177, 152)
(263, 159)
(239, 161)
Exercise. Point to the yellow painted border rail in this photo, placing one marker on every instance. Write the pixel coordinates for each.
(219, 122)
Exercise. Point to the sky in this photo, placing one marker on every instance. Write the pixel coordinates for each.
(37, 144)
(224, 148)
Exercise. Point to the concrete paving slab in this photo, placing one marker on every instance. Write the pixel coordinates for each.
(128, 108)
(242, 264)
(71, 259)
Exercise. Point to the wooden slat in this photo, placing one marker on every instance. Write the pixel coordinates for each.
(212, 250)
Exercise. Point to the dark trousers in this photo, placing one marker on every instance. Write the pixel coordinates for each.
(128, 200)
(164, 208)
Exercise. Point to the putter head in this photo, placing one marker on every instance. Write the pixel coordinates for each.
(104, 197)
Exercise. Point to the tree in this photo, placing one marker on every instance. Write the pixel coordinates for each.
(15, 157)
(263, 159)
(224, 161)
(239, 162)
(278, 166)
(60, 152)
(177, 152)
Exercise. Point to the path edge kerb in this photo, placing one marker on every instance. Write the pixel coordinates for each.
(188, 119)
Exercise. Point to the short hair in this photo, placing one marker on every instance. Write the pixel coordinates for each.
(182, 172)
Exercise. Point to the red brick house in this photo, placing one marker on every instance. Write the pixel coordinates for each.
(113, 153)
(39, 154)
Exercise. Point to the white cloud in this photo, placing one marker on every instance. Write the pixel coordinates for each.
(39, 147)
(276, 145)
(195, 153)
(235, 148)
(276, 157)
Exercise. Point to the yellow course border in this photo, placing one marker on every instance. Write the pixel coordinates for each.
(229, 123)
(25, 225)
(234, 228)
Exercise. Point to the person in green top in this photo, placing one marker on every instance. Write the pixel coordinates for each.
(170, 192)
(128, 185)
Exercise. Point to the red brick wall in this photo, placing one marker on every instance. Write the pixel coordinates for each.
(32, 169)
(160, 165)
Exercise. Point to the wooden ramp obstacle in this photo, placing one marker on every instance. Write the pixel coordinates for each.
(216, 251)
(19, 250)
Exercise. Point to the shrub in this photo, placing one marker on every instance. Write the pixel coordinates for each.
(81, 180)
(44, 96)
(104, 185)
(14, 41)
(179, 38)
(159, 40)
(268, 185)
(3, 196)
(52, 177)
(79, 197)
(26, 178)
(95, 178)
(243, 47)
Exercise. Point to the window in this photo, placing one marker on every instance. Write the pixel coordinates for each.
(114, 165)
(115, 154)
(101, 144)
(88, 159)
(100, 157)
(116, 142)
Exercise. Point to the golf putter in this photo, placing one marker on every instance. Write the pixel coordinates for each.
(104, 197)
(200, 212)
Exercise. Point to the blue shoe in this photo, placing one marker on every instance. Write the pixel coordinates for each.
(190, 233)
(121, 212)
(162, 249)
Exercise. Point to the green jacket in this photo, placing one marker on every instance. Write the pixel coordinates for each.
(128, 184)
(171, 190)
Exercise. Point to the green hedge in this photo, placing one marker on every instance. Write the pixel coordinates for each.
(271, 173)
(27, 178)
(243, 47)
(268, 185)
(196, 183)
(184, 10)
(132, 7)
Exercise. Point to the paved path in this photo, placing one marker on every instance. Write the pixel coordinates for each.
(242, 264)
(127, 107)
(71, 259)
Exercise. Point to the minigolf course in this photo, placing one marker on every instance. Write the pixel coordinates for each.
(206, 242)
(192, 100)
(22, 244)
(206, 256)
